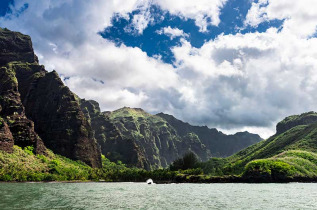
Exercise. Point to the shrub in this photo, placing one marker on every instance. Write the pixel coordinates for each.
(268, 170)
(29, 150)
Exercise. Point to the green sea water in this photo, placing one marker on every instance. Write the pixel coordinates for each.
(164, 196)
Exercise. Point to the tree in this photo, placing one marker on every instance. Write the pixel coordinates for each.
(188, 161)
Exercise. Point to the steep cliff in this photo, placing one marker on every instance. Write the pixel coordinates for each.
(38, 107)
(219, 144)
(12, 111)
(150, 141)
(139, 138)
(15, 46)
(6, 138)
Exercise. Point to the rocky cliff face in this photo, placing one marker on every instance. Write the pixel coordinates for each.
(6, 138)
(150, 141)
(13, 113)
(295, 120)
(138, 138)
(37, 107)
(15, 46)
(219, 144)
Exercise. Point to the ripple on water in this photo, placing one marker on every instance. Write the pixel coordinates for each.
(167, 196)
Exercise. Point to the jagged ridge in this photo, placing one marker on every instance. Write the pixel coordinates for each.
(219, 144)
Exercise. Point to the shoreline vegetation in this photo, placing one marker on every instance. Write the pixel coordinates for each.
(24, 166)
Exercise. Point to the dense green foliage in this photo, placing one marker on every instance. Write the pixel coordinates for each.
(188, 161)
(23, 165)
(291, 155)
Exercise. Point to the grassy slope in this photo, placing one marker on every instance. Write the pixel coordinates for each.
(290, 154)
(23, 165)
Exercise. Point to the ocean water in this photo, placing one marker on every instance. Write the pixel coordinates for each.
(161, 196)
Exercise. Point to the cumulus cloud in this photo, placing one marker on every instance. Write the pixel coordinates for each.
(300, 16)
(172, 32)
(243, 81)
(204, 12)
(249, 79)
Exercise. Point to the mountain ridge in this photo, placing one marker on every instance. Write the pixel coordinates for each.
(131, 126)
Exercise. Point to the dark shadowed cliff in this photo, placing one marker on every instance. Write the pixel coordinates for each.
(36, 107)
(219, 144)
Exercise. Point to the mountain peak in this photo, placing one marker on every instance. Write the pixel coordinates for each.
(129, 112)
(15, 46)
(295, 120)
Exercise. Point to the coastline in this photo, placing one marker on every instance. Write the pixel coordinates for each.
(191, 180)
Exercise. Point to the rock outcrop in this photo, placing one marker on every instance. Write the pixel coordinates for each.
(13, 113)
(295, 120)
(15, 46)
(38, 108)
(6, 138)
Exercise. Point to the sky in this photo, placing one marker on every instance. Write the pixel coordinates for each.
(230, 64)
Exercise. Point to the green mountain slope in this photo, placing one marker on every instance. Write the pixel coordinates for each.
(301, 137)
(138, 138)
(286, 155)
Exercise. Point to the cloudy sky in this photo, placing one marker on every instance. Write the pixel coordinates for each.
(231, 64)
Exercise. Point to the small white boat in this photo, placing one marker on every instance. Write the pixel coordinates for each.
(149, 181)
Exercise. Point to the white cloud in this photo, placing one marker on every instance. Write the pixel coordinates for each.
(200, 11)
(248, 81)
(172, 32)
(300, 16)
(141, 20)
(252, 80)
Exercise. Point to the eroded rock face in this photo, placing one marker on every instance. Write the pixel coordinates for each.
(36, 105)
(138, 138)
(12, 111)
(56, 114)
(295, 120)
(112, 143)
(15, 46)
(6, 138)
(22, 130)
(219, 144)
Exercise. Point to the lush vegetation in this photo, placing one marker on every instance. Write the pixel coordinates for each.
(289, 156)
(23, 165)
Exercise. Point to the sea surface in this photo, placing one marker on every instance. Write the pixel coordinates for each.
(158, 196)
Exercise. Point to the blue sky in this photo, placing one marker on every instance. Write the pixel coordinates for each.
(4, 6)
(231, 64)
(232, 18)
